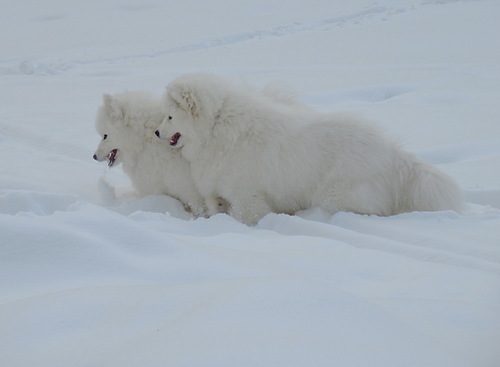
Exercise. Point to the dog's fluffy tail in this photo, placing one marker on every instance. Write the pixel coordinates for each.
(433, 190)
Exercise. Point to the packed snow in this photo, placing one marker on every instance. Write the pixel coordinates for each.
(92, 275)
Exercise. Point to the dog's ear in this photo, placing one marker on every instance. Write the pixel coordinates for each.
(113, 108)
(184, 98)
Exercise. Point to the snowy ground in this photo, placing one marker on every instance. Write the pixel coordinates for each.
(91, 276)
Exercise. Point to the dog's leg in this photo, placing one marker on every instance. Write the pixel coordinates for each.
(250, 208)
(213, 205)
(197, 208)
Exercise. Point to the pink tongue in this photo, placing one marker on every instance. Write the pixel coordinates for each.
(175, 138)
(111, 157)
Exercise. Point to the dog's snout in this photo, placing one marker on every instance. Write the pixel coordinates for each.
(95, 157)
(157, 133)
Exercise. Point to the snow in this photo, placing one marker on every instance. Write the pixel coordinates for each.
(93, 276)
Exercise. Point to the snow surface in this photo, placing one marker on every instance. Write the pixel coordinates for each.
(92, 276)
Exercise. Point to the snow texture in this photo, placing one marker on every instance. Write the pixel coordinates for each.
(92, 275)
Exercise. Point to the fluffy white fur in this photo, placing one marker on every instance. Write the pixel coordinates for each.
(265, 156)
(127, 123)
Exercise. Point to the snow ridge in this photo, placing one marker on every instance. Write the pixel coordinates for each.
(93, 275)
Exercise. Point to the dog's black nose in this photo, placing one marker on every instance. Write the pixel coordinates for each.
(157, 133)
(95, 157)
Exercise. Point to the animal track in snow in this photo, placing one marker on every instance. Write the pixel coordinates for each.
(29, 67)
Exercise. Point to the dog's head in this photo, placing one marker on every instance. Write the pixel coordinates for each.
(126, 122)
(191, 105)
(108, 121)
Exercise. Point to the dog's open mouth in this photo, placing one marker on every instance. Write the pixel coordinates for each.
(174, 139)
(111, 157)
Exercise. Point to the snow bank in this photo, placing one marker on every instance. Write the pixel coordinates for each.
(93, 275)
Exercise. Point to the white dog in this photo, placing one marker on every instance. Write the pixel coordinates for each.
(127, 122)
(263, 156)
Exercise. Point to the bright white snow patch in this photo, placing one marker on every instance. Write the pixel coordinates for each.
(93, 276)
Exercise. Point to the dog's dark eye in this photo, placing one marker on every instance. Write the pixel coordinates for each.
(170, 117)
(105, 137)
